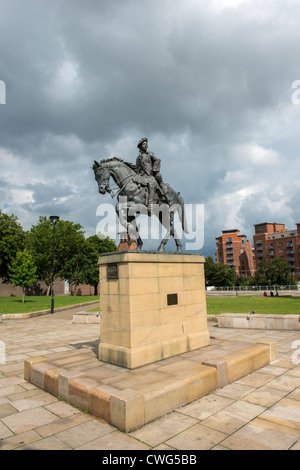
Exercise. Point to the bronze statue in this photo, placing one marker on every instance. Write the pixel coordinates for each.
(141, 185)
(148, 166)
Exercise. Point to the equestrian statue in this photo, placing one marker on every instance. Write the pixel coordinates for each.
(141, 189)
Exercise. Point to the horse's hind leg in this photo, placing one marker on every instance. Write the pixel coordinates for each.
(164, 241)
(169, 233)
(177, 241)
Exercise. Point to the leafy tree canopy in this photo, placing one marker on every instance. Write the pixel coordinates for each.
(219, 274)
(22, 271)
(69, 238)
(12, 239)
(83, 268)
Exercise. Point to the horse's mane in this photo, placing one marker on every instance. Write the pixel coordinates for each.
(116, 159)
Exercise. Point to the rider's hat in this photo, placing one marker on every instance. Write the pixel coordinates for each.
(144, 139)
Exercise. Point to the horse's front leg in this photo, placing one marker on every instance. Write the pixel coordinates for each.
(122, 215)
(133, 232)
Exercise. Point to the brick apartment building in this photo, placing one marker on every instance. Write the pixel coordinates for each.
(273, 240)
(234, 249)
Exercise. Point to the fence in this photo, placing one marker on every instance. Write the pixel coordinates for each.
(253, 288)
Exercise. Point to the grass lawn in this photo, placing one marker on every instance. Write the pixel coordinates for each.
(239, 304)
(34, 303)
(243, 304)
(93, 309)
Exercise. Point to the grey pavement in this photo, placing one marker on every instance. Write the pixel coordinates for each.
(258, 412)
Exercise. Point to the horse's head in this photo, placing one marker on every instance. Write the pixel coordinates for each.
(102, 176)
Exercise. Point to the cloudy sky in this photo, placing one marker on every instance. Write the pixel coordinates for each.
(210, 83)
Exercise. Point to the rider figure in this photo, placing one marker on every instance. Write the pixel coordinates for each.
(148, 166)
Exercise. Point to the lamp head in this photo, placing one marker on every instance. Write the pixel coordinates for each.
(54, 218)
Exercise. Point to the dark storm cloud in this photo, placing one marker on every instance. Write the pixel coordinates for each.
(209, 84)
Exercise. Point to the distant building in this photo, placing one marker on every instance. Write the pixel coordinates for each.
(234, 249)
(61, 287)
(273, 240)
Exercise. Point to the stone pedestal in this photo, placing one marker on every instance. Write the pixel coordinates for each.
(153, 306)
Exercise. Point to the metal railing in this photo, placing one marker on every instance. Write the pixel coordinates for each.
(253, 288)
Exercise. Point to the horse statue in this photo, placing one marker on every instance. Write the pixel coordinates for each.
(130, 189)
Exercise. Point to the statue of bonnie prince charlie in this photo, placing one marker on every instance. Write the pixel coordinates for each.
(148, 167)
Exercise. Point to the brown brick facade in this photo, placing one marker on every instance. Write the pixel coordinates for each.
(273, 240)
(235, 250)
(60, 288)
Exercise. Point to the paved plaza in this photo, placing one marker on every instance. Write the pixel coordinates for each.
(259, 411)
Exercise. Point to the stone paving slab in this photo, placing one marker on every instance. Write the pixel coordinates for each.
(286, 413)
(52, 424)
(260, 434)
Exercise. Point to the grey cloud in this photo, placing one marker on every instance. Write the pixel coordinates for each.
(86, 80)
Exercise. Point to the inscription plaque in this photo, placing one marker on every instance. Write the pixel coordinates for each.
(112, 271)
(172, 299)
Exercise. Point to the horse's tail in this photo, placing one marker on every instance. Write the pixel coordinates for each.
(182, 215)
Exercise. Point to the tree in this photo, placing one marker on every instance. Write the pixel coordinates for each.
(98, 244)
(12, 239)
(210, 271)
(83, 268)
(273, 272)
(261, 275)
(219, 274)
(279, 272)
(22, 271)
(242, 281)
(69, 238)
(225, 275)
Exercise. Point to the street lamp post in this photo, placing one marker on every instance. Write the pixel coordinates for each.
(54, 219)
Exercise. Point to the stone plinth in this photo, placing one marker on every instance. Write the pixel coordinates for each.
(129, 399)
(153, 306)
(259, 321)
(86, 317)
